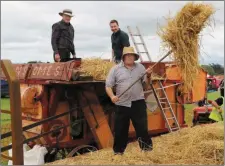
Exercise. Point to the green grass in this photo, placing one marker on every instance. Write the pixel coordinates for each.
(5, 119)
(5, 105)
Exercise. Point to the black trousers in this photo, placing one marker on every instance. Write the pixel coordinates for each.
(138, 115)
(64, 55)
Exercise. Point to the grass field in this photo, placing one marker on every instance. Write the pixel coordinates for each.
(5, 105)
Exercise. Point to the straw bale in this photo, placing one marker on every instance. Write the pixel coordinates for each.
(197, 145)
(96, 67)
(181, 35)
(99, 68)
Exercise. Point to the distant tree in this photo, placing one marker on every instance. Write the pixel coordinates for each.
(209, 69)
(218, 69)
(34, 62)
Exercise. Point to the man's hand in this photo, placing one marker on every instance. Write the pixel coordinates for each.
(57, 57)
(114, 99)
(74, 56)
(219, 109)
(149, 71)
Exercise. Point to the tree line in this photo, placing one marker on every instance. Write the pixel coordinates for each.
(214, 69)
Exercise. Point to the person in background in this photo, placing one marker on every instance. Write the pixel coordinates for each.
(131, 105)
(63, 37)
(119, 40)
(217, 113)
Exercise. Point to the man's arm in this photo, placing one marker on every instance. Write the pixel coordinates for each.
(112, 55)
(73, 49)
(217, 103)
(146, 80)
(125, 40)
(110, 82)
(112, 47)
(55, 37)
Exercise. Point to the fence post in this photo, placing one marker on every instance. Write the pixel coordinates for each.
(15, 107)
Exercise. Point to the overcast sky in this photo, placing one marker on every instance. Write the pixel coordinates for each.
(26, 28)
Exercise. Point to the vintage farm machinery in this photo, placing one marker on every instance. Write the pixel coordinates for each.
(70, 113)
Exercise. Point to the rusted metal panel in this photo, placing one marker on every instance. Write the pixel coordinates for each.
(52, 71)
(16, 116)
(20, 69)
(159, 69)
(94, 115)
(47, 71)
(44, 71)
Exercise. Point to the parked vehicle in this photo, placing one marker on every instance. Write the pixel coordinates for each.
(4, 88)
(213, 83)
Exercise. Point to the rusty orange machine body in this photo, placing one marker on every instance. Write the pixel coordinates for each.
(47, 90)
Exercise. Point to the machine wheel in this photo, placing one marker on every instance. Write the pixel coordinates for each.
(81, 150)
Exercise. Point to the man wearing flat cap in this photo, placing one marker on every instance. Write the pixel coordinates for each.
(131, 105)
(63, 37)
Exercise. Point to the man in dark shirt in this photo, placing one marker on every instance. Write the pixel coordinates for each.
(62, 37)
(119, 40)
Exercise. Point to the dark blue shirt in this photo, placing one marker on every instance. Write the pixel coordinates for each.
(119, 40)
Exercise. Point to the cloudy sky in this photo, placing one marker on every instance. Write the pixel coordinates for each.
(26, 28)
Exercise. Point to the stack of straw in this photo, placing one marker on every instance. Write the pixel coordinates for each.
(99, 68)
(181, 36)
(198, 145)
(96, 67)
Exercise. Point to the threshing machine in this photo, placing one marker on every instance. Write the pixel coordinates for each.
(63, 110)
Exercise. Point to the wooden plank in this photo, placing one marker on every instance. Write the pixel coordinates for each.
(6, 157)
(5, 112)
(15, 106)
(102, 134)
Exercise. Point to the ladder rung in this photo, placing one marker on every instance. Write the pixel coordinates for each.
(166, 108)
(170, 118)
(139, 43)
(162, 98)
(175, 128)
(135, 35)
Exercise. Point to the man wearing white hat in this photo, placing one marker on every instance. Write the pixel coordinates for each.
(63, 37)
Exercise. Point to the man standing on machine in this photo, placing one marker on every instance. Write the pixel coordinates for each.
(62, 38)
(119, 40)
